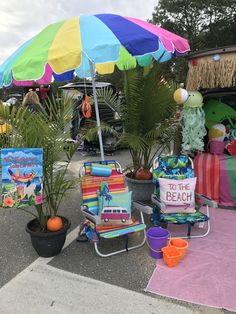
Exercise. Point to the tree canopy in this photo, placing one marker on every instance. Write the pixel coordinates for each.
(206, 24)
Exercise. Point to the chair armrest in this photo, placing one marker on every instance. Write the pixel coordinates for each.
(158, 202)
(146, 209)
(91, 216)
(206, 200)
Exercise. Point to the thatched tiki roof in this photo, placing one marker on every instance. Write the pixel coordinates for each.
(212, 69)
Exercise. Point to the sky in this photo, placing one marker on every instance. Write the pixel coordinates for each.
(22, 19)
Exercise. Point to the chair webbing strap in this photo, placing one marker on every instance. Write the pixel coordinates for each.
(123, 231)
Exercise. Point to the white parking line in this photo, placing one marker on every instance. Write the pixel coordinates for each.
(43, 288)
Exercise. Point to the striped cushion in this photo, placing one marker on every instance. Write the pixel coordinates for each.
(102, 228)
(122, 231)
(207, 169)
(90, 185)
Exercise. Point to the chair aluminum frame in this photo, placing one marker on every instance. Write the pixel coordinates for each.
(96, 220)
(205, 202)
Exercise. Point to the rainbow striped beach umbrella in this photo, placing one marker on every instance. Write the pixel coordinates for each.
(87, 44)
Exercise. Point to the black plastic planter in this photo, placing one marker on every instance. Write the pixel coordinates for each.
(141, 189)
(47, 243)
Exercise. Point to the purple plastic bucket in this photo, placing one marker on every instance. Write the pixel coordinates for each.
(157, 238)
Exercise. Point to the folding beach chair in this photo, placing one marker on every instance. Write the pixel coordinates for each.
(96, 227)
(176, 208)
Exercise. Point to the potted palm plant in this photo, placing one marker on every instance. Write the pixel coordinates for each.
(147, 114)
(46, 130)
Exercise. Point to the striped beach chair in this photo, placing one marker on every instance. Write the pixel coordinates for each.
(92, 228)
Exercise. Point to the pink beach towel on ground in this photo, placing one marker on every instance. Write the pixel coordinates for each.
(207, 274)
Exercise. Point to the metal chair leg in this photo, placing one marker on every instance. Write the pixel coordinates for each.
(120, 251)
(126, 249)
(189, 236)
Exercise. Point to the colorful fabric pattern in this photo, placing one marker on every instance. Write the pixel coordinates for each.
(122, 199)
(65, 48)
(172, 167)
(122, 231)
(230, 163)
(109, 163)
(207, 171)
(227, 180)
(108, 232)
(182, 218)
(178, 168)
(90, 185)
(106, 228)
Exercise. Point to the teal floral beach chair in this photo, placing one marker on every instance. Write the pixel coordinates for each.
(174, 197)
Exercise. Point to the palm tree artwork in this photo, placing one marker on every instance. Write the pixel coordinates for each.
(104, 192)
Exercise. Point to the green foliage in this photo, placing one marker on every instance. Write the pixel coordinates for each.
(145, 114)
(206, 24)
(197, 20)
(48, 129)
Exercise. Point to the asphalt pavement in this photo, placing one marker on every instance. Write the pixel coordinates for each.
(77, 280)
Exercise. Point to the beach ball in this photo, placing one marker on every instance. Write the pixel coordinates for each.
(217, 132)
(180, 96)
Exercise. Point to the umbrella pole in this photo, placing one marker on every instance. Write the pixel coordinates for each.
(96, 109)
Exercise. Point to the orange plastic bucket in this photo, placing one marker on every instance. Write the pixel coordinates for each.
(171, 256)
(180, 244)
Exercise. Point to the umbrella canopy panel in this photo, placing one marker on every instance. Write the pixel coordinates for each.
(68, 47)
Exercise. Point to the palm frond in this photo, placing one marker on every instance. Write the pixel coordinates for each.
(92, 133)
(48, 129)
